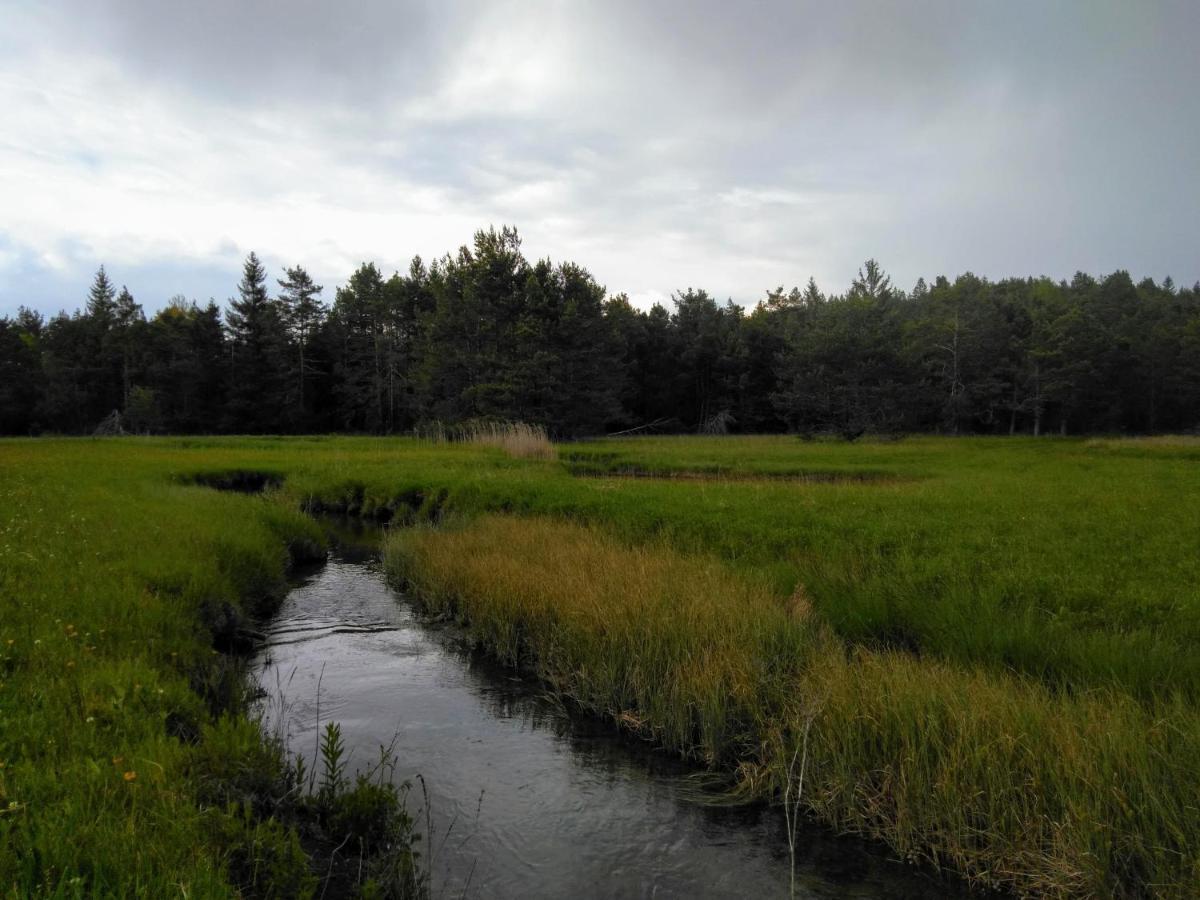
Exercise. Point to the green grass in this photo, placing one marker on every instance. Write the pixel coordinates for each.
(1053, 582)
(128, 766)
(1070, 561)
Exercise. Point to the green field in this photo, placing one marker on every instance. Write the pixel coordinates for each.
(985, 648)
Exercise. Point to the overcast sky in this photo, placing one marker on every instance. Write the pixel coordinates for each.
(731, 146)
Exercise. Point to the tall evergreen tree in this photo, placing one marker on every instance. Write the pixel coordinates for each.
(124, 340)
(360, 373)
(711, 357)
(258, 355)
(562, 373)
(303, 313)
(101, 298)
(185, 363)
(21, 373)
(97, 364)
(479, 297)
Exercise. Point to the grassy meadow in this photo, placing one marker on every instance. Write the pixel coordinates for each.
(981, 651)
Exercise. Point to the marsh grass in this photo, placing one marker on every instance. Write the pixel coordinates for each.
(995, 597)
(520, 440)
(130, 765)
(992, 776)
(548, 596)
(1072, 563)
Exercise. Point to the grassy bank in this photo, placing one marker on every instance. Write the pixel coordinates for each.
(994, 776)
(128, 764)
(994, 640)
(1009, 554)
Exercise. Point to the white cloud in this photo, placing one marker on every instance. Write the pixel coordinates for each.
(660, 146)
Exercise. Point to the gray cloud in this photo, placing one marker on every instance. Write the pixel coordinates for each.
(734, 146)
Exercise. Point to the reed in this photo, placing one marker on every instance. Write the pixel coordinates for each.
(519, 440)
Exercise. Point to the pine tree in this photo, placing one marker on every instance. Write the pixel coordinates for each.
(258, 355)
(303, 314)
(100, 300)
(124, 340)
(360, 380)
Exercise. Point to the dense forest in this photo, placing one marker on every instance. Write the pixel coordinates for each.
(485, 333)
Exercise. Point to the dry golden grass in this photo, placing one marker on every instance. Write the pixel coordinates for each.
(519, 440)
(602, 622)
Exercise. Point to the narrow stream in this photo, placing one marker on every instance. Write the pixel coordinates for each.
(527, 799)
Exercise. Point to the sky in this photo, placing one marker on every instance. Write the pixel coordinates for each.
(734, 147)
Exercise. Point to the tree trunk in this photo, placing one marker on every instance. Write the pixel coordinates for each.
(301, 415)
(1037, 401)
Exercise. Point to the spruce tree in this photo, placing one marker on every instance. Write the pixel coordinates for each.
(258, 355)
(303, 314)
(101, 298)
(98, 373)
(125, 339)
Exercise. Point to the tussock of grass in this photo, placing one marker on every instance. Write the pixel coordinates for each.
(992, 775)
(520, 440)
(602, 622)
(997, 777)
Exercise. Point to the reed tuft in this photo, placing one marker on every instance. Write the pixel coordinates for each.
(519, 440)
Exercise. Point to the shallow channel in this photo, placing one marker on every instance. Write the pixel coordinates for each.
(527, 799)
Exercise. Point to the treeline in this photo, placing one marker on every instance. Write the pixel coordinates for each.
(485, 333)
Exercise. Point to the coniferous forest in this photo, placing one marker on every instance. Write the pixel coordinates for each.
(487, 333)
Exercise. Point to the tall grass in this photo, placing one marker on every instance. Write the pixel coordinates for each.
(519, 440)
(549, 595)
(996, 777)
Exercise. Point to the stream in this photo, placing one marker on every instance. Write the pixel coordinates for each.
(526, 798)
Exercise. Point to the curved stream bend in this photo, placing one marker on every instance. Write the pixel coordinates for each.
(527, 800)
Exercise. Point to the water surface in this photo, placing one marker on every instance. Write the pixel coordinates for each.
(527, 799)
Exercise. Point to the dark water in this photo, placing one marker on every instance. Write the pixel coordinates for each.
(527, 799)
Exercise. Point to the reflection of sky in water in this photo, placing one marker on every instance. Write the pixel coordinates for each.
(526, 800)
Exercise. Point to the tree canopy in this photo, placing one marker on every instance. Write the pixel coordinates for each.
(487, 333)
